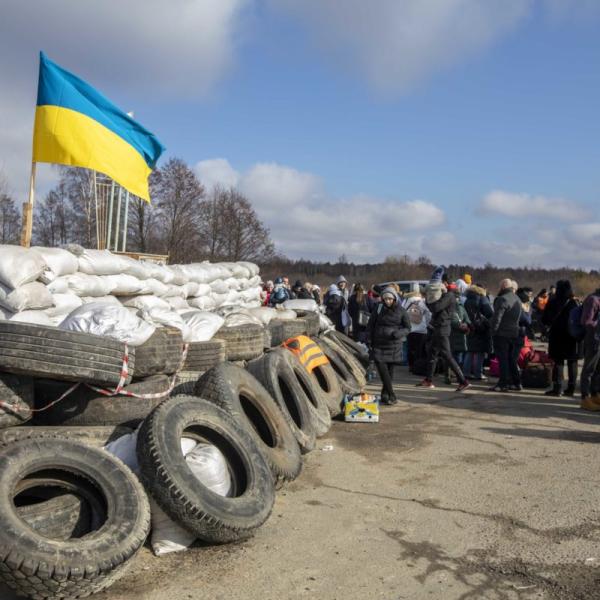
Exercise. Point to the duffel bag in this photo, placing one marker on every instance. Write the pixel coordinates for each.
(537, 375)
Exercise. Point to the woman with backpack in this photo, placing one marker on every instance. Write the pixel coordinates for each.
(388, 327)
(360, 307)
(562, 345)
(479, 339)
(419, 316)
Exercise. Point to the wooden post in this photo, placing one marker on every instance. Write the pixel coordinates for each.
(27, 225)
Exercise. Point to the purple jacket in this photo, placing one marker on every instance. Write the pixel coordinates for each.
(591, 310)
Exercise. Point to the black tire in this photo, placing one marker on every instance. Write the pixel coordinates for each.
(348, 344)
(40, 567)
(242, 342)
(348, 381)
(282, 330)
(185, 384)
(167, 477)
(160, 354)
(84, 406)
(202, 356)
(89, 436)
(313, 322)
(66, 355)
(274, 370)
(15, 391)
(352, 364)
(325, 378)
(241, 394)
(59, 516)
(315, 402)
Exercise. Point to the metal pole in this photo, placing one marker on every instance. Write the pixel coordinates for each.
(98, 241)
(118, 220)
(125, 220)
(110, 214)
(27, 224)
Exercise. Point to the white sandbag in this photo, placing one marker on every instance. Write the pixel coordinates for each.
(124, 448)
(135, 268)
(124, 285)
(325, 323)
(307, 305)
(209, 466)
(100, 262)
(19, 266)
(179, 276)
(218, 286)
(105, 299)
(174, 291)
(64, 304)
(146, 303)
(265, 314)
(195, 273)
(30, 296)
(59, 286)
(58, 262)
(83, 284)
(166, 318)
(235, 269)
(109, 320)
(201, 290)
(218, 299)
(252, 268)
(241, 317)
(153, 286)
(191, 289)
(286, 315)
(203, 303)
(232, 283)
(160, 272)
(232, 298)
(203, 325)
(35, 317)
(251, 295)
(177, 303)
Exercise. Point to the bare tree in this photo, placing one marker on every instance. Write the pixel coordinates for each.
(231, 230)
(141, 233)
(79, 187)
(53, 220)
(10, 220)
(178, 193)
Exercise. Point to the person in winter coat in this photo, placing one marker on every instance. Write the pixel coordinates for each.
(280, 293)
(419, 316)
(336, 309)
(562, 346)
(301, 292)
(316, 293)
(442, 305)
(459, 327)
(590, 374)
(479, 339)
(267, 290)
(388, 326)
(505, 332)
(342, 284)
(360, 307)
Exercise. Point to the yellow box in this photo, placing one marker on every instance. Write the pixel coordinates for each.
(361, 408)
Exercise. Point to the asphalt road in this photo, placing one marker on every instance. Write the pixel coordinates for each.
(450, 497)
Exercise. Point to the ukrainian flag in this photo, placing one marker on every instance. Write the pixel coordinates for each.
(76, 125)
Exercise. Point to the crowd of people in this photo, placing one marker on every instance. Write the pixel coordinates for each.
(455, 327)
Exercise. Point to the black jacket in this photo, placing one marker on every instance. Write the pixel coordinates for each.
(335, 306)
(480, 312)
(507, 312)
(561, 346)
(387, 329)
(303, 294)
(442, 312)
(354, 308)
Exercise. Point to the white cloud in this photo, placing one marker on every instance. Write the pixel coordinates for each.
(519, 205)
(217, 171)
(398, 44)
(307, 222)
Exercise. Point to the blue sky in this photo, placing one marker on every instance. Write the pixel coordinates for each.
(466, 130)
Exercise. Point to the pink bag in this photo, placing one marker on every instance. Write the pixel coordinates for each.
(494, 367)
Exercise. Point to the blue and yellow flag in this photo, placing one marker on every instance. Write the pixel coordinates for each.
(76, 125)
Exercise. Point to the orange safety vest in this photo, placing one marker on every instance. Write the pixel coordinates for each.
(308, 352)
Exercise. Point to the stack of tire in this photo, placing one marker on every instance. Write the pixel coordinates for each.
(73, 516)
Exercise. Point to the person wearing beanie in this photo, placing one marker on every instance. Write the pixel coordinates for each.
(336, 308)
(301, 292)
(388, 326)
(442, 305)
(280, 292)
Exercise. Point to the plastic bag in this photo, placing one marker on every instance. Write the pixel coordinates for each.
(307, 305)
(109, 320)
(203, 325)
(19, 266)
(31, 296)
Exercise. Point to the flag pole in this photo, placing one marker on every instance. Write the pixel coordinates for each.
(27, 224)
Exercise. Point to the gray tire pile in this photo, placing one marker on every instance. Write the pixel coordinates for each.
(72, 516)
